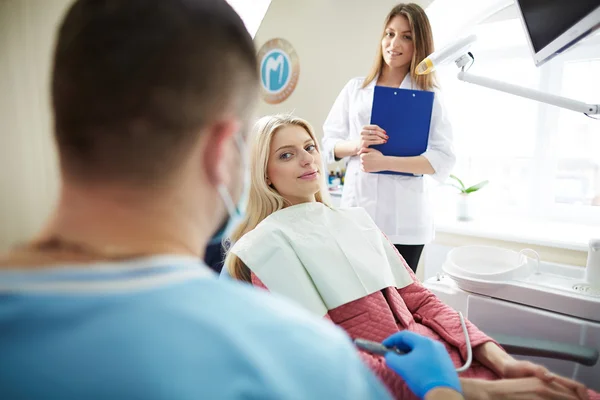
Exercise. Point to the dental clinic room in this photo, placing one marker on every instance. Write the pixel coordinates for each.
(300, 199)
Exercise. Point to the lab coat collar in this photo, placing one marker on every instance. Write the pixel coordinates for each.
(407, 83)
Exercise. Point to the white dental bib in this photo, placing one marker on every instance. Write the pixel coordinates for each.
(321, 257)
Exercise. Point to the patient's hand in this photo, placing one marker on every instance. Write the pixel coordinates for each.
(505, 366)
(522, 369)
(516, 389)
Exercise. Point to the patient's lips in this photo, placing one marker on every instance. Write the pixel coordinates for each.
(310, 175)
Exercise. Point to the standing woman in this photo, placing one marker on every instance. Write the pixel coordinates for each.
(398, 204)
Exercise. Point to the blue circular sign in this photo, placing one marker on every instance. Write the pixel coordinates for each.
(279, 70)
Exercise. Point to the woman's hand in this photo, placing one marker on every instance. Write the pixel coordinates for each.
(522, 369)
(371, 135)
(516, 389)
(371, 160)
(505, 366)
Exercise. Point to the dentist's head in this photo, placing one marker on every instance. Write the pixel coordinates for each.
(152, 100)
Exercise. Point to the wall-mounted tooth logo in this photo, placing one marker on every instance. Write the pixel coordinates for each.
(279, 70)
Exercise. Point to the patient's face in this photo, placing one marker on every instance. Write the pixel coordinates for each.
(294, 167)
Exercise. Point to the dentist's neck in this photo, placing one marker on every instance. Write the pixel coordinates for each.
(118, 222)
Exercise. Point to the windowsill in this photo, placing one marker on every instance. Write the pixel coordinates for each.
(549, 234)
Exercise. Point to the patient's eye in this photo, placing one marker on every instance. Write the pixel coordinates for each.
(285, 156)
(407, 37)
(389, 34)
(310, 148)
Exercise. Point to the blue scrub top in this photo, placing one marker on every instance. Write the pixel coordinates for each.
(166, 328)
(224, 274)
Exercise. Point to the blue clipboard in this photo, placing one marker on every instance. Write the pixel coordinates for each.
(405, 115)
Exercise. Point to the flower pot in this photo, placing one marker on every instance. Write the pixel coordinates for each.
(464, 207)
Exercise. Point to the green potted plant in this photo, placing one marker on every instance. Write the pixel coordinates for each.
(464, 208)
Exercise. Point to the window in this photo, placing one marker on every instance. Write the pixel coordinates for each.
(577, 174)
(541, 161)
(252, 12)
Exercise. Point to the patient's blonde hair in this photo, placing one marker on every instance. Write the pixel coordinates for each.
(264, 200)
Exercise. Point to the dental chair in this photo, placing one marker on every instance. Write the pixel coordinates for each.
(566, 351)
(538, 311)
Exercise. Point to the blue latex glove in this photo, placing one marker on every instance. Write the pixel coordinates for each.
(426, 365)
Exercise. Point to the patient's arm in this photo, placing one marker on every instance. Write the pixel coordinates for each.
(493, 356)
(531, 388)
(443, 394)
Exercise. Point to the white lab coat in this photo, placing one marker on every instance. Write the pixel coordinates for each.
(399, 205)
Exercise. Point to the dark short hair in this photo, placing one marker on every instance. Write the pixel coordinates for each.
(135, 81)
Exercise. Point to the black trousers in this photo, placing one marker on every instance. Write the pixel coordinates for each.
(411, 254)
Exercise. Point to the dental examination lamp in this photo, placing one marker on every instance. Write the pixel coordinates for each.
(457, 51)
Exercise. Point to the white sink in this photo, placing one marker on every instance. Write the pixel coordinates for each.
(549, 286)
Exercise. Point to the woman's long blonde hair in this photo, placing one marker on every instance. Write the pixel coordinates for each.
(422, 37)
(263, 200)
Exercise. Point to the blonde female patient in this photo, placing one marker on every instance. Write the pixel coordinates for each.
(337, 264)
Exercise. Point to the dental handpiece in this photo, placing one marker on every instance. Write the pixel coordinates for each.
(380, 349)
(375, 347)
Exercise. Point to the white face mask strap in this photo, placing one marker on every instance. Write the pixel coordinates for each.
(242, 148)
(226, 197)
(223, 192)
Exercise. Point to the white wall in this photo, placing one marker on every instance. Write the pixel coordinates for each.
(28, 164)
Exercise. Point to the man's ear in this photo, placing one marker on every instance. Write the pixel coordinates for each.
(221, 151)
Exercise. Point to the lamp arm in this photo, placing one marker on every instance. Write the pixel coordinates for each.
(559, 101)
